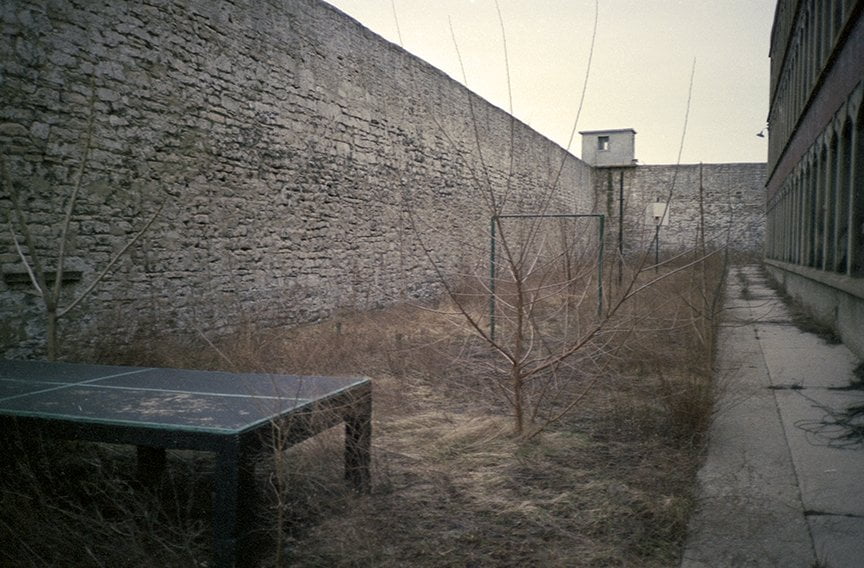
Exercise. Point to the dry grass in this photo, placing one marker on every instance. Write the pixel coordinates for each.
(71, 504)
(608, 485)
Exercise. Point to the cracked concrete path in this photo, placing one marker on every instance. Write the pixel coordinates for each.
(783, 483)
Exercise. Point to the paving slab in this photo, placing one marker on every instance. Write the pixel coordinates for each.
(749, 511)
(838, 540)
(794, 356)
(783, 482)
(830, 468)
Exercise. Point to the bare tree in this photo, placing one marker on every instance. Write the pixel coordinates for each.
(45, 284)
(545, 316)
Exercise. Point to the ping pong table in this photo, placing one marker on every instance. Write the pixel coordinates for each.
(231, 415)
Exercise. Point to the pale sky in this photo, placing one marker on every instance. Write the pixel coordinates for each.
(643, 55)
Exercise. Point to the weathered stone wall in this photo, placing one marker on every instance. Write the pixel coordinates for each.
(732, 204)
(297, 158)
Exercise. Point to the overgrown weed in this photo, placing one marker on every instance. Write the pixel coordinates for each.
(801, 317)
(610, 483)
(76, 504)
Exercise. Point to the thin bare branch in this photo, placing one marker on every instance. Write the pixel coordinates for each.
(557, 178)
(70, 205)
(396, 21)
(108, 267)
(665, 275)
(213, 346)
(33, 279)
(34, 265)
(511, 148)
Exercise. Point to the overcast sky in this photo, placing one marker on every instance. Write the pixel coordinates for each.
(643, 55)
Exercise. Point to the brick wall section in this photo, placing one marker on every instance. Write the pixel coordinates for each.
(733, 204)
(298, 157)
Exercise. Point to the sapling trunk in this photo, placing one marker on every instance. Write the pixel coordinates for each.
(51, 332)
(50, 293)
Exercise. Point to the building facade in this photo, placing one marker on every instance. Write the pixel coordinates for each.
(815, 189)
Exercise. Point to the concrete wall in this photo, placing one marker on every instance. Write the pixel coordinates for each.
(297, 157)
(733, 204)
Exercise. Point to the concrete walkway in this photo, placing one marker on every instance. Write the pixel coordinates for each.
(781, 485)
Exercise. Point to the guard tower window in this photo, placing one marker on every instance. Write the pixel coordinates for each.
(602, 142)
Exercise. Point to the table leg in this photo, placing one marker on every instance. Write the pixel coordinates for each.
(151, 464)
(234, 507)
(358, 443)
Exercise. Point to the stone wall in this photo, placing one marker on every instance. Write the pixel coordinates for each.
(732, 204)
(302, 164)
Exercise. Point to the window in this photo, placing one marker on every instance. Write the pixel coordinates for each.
(602, 142)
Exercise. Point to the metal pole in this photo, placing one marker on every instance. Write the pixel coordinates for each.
(621, 228)
(492, 278)
(701, 214)
(600, 266)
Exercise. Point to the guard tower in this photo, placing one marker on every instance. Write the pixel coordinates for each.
(609, 148)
